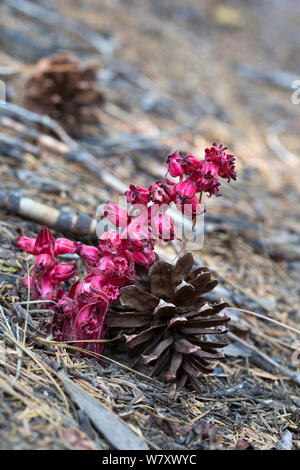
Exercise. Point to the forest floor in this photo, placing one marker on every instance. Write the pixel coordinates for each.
(176, 75)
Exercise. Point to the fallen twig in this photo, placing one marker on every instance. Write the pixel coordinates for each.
(294, 376)
(45, 15)
(64, 221)
(280, 78)
(264, 317)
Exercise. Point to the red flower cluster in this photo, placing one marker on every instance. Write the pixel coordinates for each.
(195, 177)
(203, 174)
(79, 314)
(48, 272)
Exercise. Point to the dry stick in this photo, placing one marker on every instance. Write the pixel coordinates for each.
(19, 144)
(255, 314)
(19, 360)
(15, 69)
(63, 221)
(278, 148)
(45, 15)
(294, 376)
(279, 78)
(27, 304)
(249, 295)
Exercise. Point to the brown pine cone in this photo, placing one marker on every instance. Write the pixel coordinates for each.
(173, 326)
(65, 91)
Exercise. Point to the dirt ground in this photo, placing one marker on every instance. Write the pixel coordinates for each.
(176, 75)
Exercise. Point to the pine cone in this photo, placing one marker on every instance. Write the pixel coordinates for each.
(65, 91)
(171, 320)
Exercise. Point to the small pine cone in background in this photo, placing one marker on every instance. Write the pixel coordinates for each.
(64, 90)
(171, 325)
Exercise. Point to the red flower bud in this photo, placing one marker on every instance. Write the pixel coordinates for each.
(44, 242)
(144, 257)
(185, 190)
(63, 246)
(26, 244)
(138, 233)
(116, 215)
(163, 227)
(107, 264)
(174, 165)
(90, 254)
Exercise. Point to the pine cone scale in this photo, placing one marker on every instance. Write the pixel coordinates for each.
(127, 321)
(161, 279)
(176, 362)
(184, 346)
(136, 340)
(134, 298)
(158, 350)
(164, 309)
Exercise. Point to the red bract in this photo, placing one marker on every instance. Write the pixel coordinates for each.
(79, 312)
(89, 325)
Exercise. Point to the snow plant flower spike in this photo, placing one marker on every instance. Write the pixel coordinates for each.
(79, 310)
